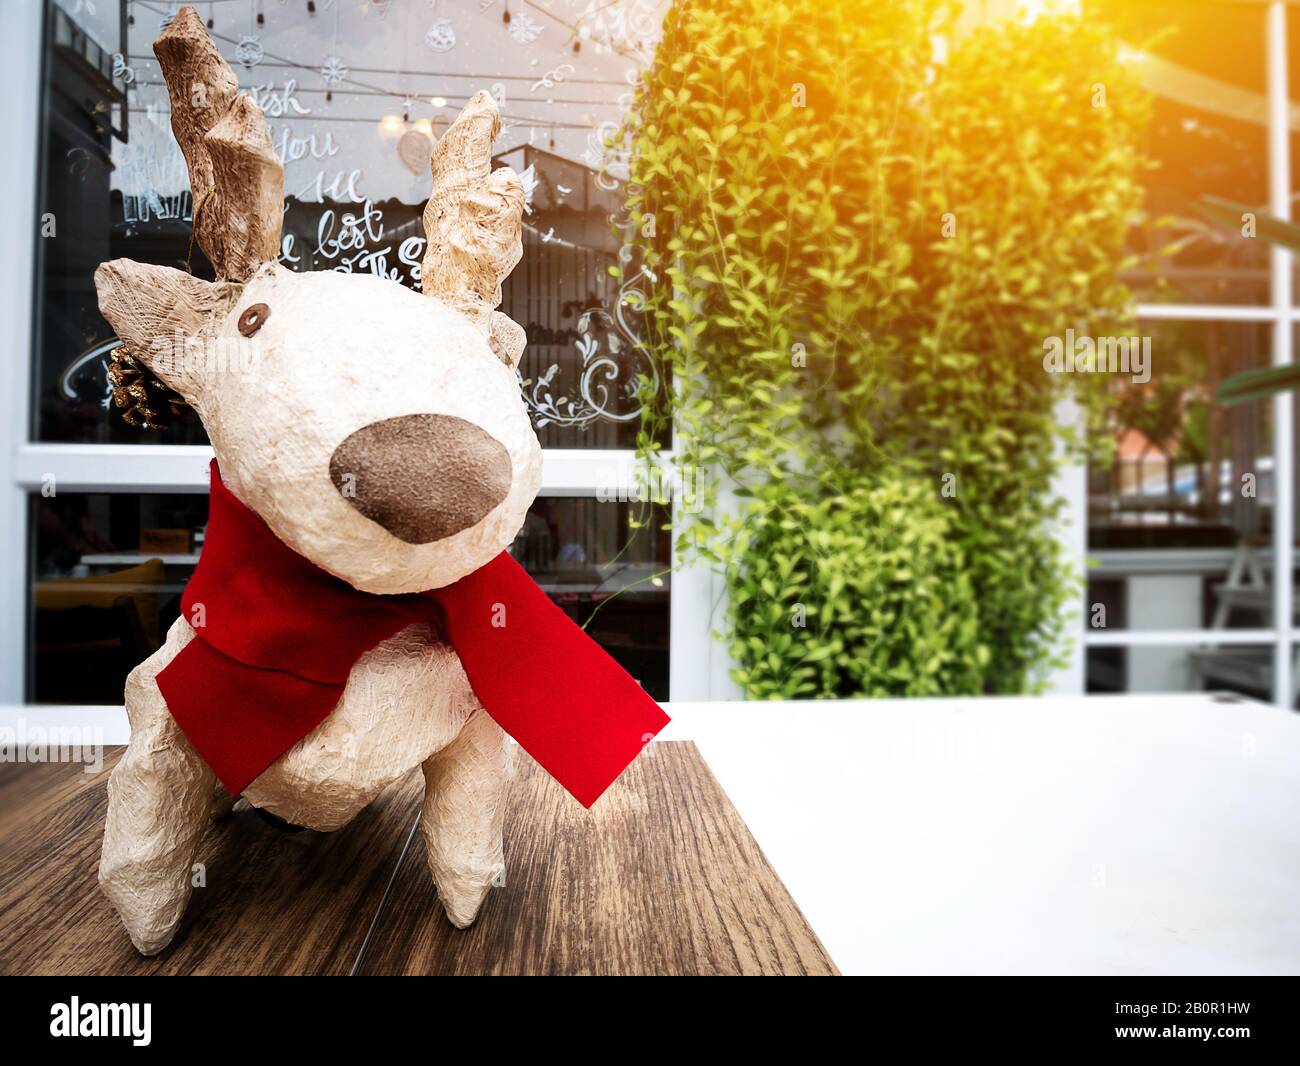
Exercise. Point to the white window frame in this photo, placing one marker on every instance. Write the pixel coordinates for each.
(698, 668)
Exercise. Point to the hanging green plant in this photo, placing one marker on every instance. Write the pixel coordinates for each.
(863, 222)
(860, 592)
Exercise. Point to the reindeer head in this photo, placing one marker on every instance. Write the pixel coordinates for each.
(378, 431)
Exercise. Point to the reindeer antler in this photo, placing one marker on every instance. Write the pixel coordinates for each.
(235, 178)
(473, 224)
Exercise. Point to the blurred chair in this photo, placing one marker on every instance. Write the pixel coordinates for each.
(1246, 590)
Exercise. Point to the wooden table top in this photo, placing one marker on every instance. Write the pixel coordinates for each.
(661, 877)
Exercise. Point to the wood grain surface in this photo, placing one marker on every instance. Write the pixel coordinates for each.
(661, 877)
(274, 903)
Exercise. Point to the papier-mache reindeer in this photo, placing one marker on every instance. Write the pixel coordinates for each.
(354, 613)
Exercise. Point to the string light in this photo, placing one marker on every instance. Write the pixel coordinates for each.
(394, 124)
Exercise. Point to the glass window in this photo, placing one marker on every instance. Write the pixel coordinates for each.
(355, 95)
(110, 570)
(1203, 62)
(1180, 521)
(1233, 669)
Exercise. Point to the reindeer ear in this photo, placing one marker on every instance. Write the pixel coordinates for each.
(473, 222)
(151, 307)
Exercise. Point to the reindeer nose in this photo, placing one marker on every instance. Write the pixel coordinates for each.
(422, 477)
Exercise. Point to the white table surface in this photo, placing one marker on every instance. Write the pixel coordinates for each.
(1099, 835)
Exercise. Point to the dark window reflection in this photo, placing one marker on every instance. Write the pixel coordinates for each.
(1187, 470)
(110, 569)
(606, 574)
(1232, 669)
(104, 593)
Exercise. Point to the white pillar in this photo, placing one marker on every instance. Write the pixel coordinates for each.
(1070, 483)
(21, 49)
(699, 665)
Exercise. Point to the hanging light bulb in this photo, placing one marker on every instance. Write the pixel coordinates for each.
(391, 126)
(438, 101)
(505, 16)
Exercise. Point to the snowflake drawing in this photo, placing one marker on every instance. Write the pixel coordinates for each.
(441, 36)
(524, 28)
(249, 50)
(121, 69)
(333, 70)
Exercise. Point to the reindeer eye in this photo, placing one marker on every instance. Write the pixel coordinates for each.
(251, 320)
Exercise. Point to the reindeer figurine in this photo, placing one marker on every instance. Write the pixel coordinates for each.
(374, 458)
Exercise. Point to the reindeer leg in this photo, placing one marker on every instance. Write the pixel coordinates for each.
(161, 796)
(464, 807)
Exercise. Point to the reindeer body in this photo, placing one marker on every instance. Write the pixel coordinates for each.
(379, 433)
(407, 704)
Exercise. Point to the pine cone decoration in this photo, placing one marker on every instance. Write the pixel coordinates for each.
(142, 396)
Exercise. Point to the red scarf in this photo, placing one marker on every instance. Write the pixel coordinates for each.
(276, 637)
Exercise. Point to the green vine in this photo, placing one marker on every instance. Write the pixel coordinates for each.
(860, 239)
